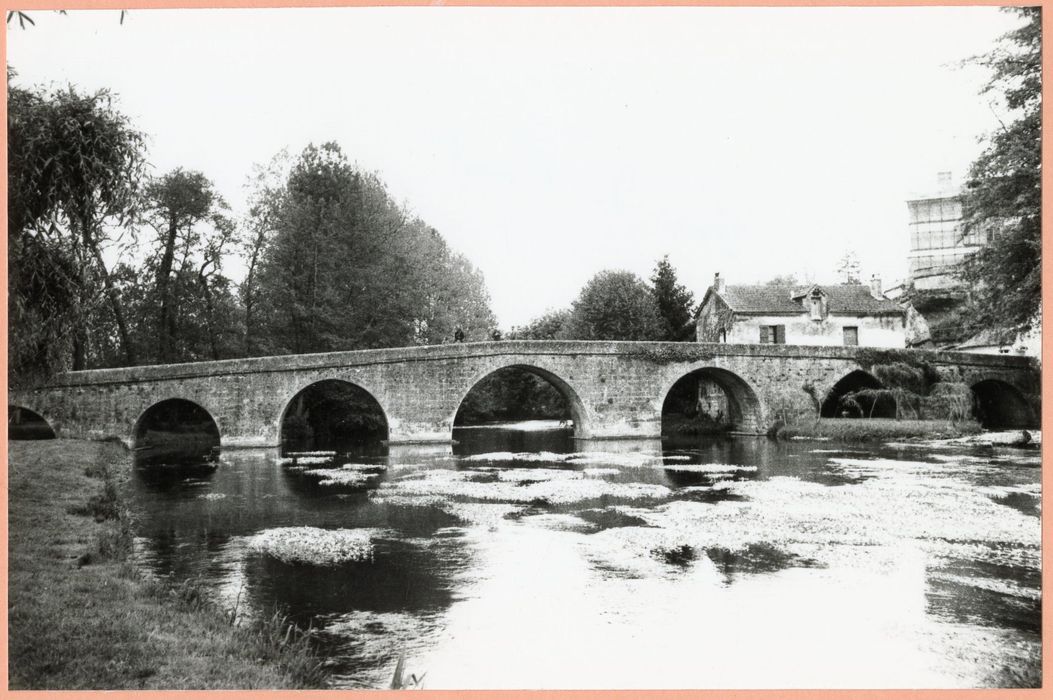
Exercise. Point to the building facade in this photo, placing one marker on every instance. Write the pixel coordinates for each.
(936, 242)
(838, 314)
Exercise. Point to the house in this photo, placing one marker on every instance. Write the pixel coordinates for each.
(810, 314)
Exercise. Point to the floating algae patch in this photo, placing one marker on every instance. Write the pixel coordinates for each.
(293, 462)
(600, 471)
(555, 492)
(627, 459)
(617, 459)
(315, 546)
(436, 475)
(342, 477)
(563, 522)
(710, 468)
(488, 515)
(537, 474)
(516, 457)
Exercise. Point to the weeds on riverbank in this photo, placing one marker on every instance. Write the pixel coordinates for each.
(876, 429)
(274, 639)
(100, 623)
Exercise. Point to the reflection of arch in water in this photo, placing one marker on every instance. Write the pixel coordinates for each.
(578, 414)
(720, 394)
(882, 407)
(24, 424)
(175, 427)
(999, 405)
(332, 412)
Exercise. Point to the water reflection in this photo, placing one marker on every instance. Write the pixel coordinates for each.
(920, 561)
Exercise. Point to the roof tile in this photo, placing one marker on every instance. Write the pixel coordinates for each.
(842, 298)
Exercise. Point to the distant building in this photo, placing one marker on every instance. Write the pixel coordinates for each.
(936, 242)
(934, 296)
(813, 314)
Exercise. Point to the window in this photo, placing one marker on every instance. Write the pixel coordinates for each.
(851, 335)
(773, 335)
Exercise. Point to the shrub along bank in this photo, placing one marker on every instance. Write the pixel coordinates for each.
(876, 429)
(82, 616)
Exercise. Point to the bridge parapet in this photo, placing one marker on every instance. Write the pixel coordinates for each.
(616, 388)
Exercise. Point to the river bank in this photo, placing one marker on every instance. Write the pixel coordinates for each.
(876, 430)
(81, 616)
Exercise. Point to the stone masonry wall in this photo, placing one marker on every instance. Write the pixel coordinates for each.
(616, 389)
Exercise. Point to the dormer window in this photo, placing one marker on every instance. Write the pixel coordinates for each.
(816, 301)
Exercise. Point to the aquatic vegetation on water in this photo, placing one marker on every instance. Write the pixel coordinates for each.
(710, 468)
(299, 461)
(621, 459)
(525, 475)
(342, 477)
(315, 546)
(559, 491)
(488, 515)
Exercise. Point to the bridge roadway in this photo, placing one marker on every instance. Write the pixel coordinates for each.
(614, 389)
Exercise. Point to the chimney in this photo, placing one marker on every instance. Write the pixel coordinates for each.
(718, 283)
(875, 287)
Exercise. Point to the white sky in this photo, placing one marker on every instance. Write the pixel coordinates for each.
(548, 144)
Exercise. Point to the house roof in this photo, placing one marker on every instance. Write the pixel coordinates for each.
(841, 298)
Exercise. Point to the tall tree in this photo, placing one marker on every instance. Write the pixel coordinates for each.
(614, 305)
(264, 201)
(848, 267)
(1003, 193)
(189, 218)
(674, 301)
(347, 268)
(75, 165)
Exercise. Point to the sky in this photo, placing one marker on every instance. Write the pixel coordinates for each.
(549, 144)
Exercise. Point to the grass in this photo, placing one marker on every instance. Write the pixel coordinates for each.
(81, 616)
(876, 429)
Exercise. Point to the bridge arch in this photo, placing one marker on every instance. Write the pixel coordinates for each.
(856, 380)
(176, 425)
(341, 409)
(730, 397)
(578, 413)
(998, 404)
(26, 424)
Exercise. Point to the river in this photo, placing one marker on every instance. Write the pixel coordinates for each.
(519, 558)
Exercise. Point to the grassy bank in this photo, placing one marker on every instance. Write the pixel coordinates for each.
(81, 616)
(876, 429)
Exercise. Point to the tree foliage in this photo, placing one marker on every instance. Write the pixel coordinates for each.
(675, 303)
(1004, 189)
(74, 168)
(347, 268)
(548, 326)
(614, 305)
(182, 273)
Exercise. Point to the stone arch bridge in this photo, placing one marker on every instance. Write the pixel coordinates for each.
(614, 389)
